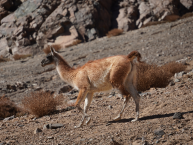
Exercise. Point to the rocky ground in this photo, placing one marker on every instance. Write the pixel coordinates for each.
(158, 44)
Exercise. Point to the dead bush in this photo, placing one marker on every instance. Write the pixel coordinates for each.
(75, 42)
(114, 32)
(41, 103)
(8, 107)
(46, 49)
(3, 59)
(174, 67)
(151, 75)
(21, 56)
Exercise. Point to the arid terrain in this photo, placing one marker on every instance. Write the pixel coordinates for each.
(157, 44)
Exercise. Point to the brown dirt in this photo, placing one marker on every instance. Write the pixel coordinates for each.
(157, 44)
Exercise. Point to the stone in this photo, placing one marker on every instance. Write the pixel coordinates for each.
(176, 80)
(159, 132)
(157, 141)
(172, 83)
(50, 137)
(65, 89)
(46, 126)
(188, 4)
(55, 126)
(177, 115)
(2, 143)
(37, 130)
(179, 75)
(8, 118)
(110, 107)
(52, 126)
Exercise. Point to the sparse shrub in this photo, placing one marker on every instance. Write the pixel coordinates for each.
(46, 49)
(114, 32)
(41, 103)
(75, 42)
(8, 107)
(3, 59)
(151, 75)
(21, 56)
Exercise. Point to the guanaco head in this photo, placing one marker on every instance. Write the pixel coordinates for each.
(50, 58)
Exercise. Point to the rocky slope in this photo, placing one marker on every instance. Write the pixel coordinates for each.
(158, 44)
(26, 26)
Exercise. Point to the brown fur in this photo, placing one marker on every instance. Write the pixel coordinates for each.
(99, 75)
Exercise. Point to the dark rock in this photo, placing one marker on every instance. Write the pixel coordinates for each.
(21, 125)
(70, 108)
(53, 126)
(11, 87)
(64, 89)
(177, 115)
(159, 132)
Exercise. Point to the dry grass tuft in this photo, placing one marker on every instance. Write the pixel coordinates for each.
(8, 108)
(21, 56)
(3, 59)
(153, 23)
(171, 18)
(156, 76)
(114, 32)
(187, 15)
(41, 103)
(75, 42)
(46, 49)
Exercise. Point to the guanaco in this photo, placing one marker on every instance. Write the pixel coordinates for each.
(99, 75)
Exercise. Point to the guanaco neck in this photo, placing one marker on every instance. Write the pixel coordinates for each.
(64, 70)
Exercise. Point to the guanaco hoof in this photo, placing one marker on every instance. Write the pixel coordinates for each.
(117, 118)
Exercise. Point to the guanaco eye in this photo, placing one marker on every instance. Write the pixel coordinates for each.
(49, 57)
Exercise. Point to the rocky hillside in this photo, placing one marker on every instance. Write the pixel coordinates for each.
(27, 25)
(166, 114)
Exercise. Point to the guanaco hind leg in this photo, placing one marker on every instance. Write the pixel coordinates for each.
(126, 100)
(136, 98)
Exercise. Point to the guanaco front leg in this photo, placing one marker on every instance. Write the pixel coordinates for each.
(87, 103)
(81, 96)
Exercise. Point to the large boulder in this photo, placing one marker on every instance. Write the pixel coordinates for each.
(187, 4)
(39, 22)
